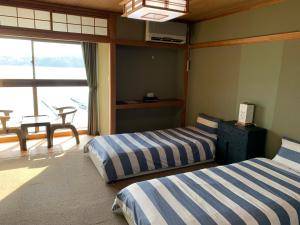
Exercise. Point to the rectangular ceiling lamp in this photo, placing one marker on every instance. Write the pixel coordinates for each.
(155, 10)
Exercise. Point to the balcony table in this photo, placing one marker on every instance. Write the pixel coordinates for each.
(35, 121)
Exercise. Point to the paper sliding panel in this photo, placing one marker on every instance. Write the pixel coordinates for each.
(100, 22)
(88, 21)
(101, 31)
(53, 21)
(8, 21)
(59, 17)
(25, 13)
(61, 27)
(72, 28)
(88, 30)
(42, 25)
(42, 15)
(8, 11)
(73, 19)
(26, 23)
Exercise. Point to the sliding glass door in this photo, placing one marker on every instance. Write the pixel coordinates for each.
(64, 96)
(15, 59)
(37, 76)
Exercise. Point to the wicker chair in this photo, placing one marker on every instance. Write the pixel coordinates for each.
(66, 116)
(6, 129)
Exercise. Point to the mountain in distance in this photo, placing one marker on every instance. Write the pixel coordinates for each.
(43, 62)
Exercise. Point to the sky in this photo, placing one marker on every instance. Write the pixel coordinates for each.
(22, 48)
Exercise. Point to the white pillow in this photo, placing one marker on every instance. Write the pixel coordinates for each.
(289, 154)
(207, 123)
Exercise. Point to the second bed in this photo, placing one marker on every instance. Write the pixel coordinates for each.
(125, 155)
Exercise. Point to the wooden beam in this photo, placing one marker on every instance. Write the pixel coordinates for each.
(248, 40)
(41, 83)
(50, 35)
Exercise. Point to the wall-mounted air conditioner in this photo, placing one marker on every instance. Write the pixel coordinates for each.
(167, 32)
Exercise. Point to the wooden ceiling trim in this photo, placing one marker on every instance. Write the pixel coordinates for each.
(248, 40)
(214, 9)
(237, 9)
(53, 7)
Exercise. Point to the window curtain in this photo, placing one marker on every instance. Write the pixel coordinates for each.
(91, 65)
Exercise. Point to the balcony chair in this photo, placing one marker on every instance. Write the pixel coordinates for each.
(5, 129)
(65, 119)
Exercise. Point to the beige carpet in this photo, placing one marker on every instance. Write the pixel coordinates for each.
(64, 189)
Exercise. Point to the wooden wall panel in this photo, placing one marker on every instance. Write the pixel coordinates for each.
(249, 40)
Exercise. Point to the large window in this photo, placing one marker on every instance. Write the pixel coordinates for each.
(36, 76)
(15, 59)
(58, 61)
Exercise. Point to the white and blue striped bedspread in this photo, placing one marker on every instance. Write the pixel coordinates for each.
(123, 155)
(254, 192)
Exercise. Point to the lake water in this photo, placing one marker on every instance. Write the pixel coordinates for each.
(25, 72)
(21, 99)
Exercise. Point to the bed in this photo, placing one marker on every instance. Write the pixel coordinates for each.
(121, 156)
(259, 191)
(126, 155)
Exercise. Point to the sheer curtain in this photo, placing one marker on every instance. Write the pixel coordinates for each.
(91, 65)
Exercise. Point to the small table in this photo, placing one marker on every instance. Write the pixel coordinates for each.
(35, 121)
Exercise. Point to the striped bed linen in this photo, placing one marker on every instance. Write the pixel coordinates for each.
(125, 155)
(289, 154)
(254, 192)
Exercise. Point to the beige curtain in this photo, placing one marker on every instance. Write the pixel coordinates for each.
(91, 65)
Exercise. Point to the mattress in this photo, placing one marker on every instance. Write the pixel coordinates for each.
(125, 155)
(254, 192)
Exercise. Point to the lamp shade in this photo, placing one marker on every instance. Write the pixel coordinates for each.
(155, 10)
(246, 113)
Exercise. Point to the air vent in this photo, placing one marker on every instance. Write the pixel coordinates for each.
(165, 39)
(167, 32)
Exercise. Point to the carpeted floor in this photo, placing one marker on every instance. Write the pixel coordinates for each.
(62, 189)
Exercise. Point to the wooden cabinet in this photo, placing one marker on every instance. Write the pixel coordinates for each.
(237, 143)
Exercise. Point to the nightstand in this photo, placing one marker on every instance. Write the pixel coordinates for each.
(238, 143)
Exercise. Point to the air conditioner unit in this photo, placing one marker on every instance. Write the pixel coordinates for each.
(167, 32)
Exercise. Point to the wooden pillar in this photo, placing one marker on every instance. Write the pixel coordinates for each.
(113, 49)
(185, 85)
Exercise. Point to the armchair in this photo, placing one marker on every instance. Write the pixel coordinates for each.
(5, 129)
(66, 116)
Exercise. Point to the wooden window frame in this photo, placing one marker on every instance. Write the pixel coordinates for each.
(41, 135)
(34, 84)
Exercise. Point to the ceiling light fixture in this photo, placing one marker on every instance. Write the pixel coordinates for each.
(154, 10)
